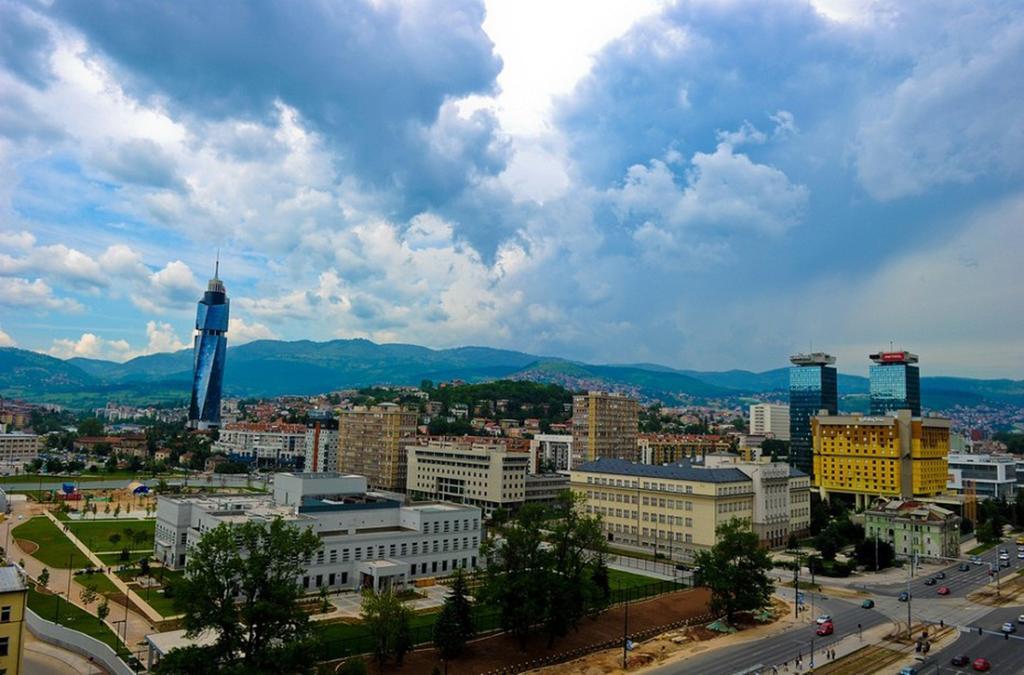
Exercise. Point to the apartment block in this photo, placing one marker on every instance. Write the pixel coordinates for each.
(605, 426)
(672, 448)
(893, 455)
(371, 443)
(770, 419)
(551, 452)
(321, 453)
(368, 541)
(481, 474)
(672, 510)
(264, 444)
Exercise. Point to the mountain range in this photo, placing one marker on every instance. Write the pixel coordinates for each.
(275, 367)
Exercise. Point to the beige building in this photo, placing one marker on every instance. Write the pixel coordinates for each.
(770, 419)
(605, 426)
(370, 443)
(18, 448)
(782, 497)
(672, 510)
(13, 599)
(487, 475)
(672, 448)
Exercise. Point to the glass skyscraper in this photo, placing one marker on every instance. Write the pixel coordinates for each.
(812, 388)
(209, 353)
(895, 383)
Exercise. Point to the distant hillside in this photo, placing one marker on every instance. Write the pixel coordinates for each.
(275, 367)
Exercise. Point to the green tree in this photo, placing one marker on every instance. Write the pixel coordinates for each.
(454, 625)
(240, 582)
(865, 553)
(111, 464)
(828, 541)
(736, 571)
(193, 660)
(387, 620)
(44, 578)
(90, 426)
(1018, 508)
(88, 594)
(792, 543)
(103, 611)
(114, 538)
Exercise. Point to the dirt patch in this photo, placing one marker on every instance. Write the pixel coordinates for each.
(493, 653)
(28, 547)
(1010, 593)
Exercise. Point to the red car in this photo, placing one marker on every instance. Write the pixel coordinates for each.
(943, 590)
(825, 629)
(981, 664)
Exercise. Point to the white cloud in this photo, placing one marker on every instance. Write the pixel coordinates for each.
(240, 332)
(33, 295)
(56, 262)
(6, 340)
(17, 240)
(122, 261)
(173, 287)
(90, 346)
(161, 338)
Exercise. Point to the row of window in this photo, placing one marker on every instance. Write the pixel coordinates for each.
(394, 550)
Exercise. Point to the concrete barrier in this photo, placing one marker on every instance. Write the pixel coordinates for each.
(80, 643)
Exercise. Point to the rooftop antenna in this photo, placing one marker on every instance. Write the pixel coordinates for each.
(216, 265)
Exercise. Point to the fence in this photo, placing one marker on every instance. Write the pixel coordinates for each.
(80, 643)
(344, 640)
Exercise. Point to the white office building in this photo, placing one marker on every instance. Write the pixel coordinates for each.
(368, 540)
(481, 474)
(770, 419)
(263, 444)
(551, 452)
(993, 476)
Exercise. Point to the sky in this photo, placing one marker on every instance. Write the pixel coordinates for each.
(710, 184)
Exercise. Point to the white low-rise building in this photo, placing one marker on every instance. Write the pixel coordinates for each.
(368, 540)
(551, 452)
(991, 476)
(17, 448)
(263, 444)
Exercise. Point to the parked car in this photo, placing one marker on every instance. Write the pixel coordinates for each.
(908, 670)
(943, 590)
(976, 560)
(1004, 556)
(825, 629)
(981, 664)
(964, 567)
(1020, 619)
(868, 604)
(940, 575)
(1009, 627)
(1003, 564)
(903, 596)
(961, 660)
(1020, 554)
(824, 618)
(929, 581)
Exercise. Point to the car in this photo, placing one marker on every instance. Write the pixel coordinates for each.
(1020, 619)
(1020, 554)
(976, 560)
(1009, 627)
(964, 567)
(1004, 564)
(908, 670)
(825, 629)
(1004, 556)
(929, 581)
(943, 590)
(940, 575)
(824, 618)
(981, 664)
(868, 604)
(960, 660)
(903, 596)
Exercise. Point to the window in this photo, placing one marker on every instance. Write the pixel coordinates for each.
(5, 614)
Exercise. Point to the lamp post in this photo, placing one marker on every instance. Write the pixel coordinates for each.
(625, 631)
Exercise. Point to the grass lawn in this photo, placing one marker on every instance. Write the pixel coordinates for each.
(54, 548)
(617, 579)
(102, 583)
(114, 559)
(96, 534)
(84, 478)
(156, 600)
(980, 548)
(73, 617)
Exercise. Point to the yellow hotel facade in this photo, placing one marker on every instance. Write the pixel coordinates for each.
(13, 596)
(895, 455)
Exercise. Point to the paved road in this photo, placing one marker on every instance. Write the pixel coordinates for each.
(959, 583)
(780, 648)
(1006, 654)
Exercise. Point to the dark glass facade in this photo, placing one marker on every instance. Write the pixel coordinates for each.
(209, 353)
(895, 386)
(811, 389)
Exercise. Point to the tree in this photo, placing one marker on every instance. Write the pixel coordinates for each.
(865, 554)
(192, 659)
(793, 543)
(117, 510)
(111, 464)
(240, 582)
(324, 605)
(144, 567)
(387, 620)
(54, 465)
(1018, 508)
(354, 666)
(736, 571)
(103, 611)
(114, 538)
(454, 625)
(44, 578)
(828, 541)
(88, 594)
(90, 426)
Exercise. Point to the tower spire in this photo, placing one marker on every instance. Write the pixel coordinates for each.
(216, 265)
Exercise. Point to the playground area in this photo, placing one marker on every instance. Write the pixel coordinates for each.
(76, 502)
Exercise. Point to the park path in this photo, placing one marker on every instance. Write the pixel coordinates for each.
(150, 613)
(138, 625)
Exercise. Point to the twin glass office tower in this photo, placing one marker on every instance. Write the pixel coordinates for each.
(813, 387)
(895, 384)
(209, 353)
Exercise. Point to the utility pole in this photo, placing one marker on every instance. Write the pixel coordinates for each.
(796, 588)
(909, 599)
(625, 632)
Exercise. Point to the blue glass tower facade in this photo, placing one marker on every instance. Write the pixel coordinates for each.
(812, 388)
(895, 383)
(209, 353)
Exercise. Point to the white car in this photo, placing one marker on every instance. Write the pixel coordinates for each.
(1020, 619)
(1020, 554)
(824, 618)
(1004, 556)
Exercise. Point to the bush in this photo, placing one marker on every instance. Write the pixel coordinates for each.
(354, 666)
(830, 568)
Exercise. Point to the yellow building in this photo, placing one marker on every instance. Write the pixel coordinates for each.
(670, 448)
(13, 595)
(673, 510)
(895, 455)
